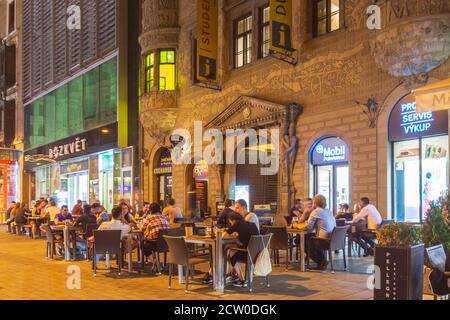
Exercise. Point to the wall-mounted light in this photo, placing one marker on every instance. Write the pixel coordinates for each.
(372, 110)
(105, 131)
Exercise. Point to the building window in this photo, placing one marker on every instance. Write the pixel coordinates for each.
(243, 41)
(149, 72)
(11, 27)
(159, 70)
(167, 70)
(265, 32)
(326, 16)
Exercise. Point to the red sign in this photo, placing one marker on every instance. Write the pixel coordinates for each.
(9, 162)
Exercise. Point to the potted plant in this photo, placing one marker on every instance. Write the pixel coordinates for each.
(399, 256)
(436, 231)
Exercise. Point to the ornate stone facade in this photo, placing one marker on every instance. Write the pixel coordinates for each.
(159, 24)
(333, 72)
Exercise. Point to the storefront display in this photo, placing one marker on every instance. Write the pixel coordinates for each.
(330, 171)
(9, 182)
(420, 159)
(97, 177)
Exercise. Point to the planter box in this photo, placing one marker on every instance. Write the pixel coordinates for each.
(401, 273)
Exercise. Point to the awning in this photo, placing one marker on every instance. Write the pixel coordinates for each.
(433, 97)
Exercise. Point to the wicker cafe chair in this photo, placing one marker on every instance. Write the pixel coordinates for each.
(181, 255)
(51, 241)
(107, 242)
(85, 237)
(163, 247)
(279, 241)
(256, 245)
(335, 243)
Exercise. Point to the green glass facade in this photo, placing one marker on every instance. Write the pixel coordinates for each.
(83, 104)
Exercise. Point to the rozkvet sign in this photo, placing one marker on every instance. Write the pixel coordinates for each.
(406, 123)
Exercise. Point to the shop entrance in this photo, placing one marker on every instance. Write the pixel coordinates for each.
(331, 171)
(163, 173)
(106, 190)
(333, 183)
(420, 163)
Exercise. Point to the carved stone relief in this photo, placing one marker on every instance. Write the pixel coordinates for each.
(393, 11)
(413, 47)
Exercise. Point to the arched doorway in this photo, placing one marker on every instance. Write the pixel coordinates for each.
(163, 173)
(329, 158)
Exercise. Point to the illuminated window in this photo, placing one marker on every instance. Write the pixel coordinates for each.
(149, 69)
(326, 16)
(265, 32)
(243, 42)
(167, 70)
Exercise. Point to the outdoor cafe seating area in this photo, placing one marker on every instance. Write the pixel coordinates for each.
(188, 243)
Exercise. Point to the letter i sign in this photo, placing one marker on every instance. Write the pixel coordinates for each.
(74, 17)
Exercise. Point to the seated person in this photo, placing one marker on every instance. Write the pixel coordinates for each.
(322, 222)
(222, 220)
(10, 215)
(145, 211)
(154, 222)
(17, 215)
(245, 231)
(344, 212)
(172, 212)
(296, 211)
(127, 217)
(373, 218)
(307, 209)
(51, 211)
(88, 217)
(117, 224)
(100, 213)
(63, 216)
(241, 207)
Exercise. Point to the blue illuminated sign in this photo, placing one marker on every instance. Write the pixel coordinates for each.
(405, 123)
(329, 151)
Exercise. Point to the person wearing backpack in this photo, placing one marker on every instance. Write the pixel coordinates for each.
(245, 231)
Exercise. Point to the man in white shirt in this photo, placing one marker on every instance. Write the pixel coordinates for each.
(116, 224)
(369, 213)
(241, 207)
(373, 218)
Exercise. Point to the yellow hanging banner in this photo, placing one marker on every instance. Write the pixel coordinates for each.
(207, 41)
(281, 27)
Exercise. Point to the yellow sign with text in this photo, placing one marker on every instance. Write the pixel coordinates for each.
(207, 41)
(281, 26)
